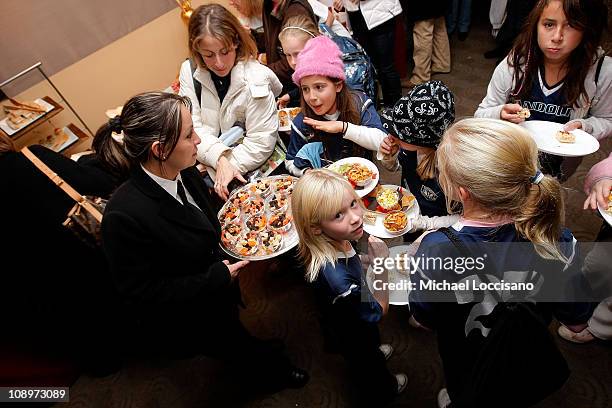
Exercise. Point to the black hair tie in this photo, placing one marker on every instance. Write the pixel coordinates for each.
(115, 124)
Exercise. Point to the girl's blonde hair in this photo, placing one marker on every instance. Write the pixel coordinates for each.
(317, 196)
(496, 161)
(426, 168)
(298, 26)
(216, 21)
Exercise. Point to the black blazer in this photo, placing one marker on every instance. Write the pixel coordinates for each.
(165, 258)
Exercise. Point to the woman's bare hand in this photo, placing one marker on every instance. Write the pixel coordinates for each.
(226, 172)
(234, 269)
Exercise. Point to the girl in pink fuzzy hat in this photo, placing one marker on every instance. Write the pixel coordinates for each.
(335, 122)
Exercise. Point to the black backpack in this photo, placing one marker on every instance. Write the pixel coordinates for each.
(519, 363)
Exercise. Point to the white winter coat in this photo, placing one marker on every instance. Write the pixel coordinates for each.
(598, 124)
(250, 99)
(376, 12)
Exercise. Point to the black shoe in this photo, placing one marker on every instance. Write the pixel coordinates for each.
(495, 53)
(462, 35)
(296, 378)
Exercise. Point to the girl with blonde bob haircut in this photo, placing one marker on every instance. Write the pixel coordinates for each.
(227, 85)
(309, 209)
(512, 221)
(328, 214)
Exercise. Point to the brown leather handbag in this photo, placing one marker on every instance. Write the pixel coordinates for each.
(85, 217)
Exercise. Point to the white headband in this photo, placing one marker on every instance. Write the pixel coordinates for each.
(299, 28)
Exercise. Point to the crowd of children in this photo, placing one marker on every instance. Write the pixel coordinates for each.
(478, 181)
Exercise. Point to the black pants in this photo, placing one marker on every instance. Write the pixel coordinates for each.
(379, 43)
(213, 330)
(358, 341)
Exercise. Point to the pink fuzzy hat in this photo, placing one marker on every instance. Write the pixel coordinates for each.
(320, 56)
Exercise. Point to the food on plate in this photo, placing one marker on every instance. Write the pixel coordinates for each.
(241, 198)
(356, 173)
(407, 200)
(388, 199)
(524, 113)
(16, 120)
(278, 202)
(29, 105)
(253, 206)
(260, 187)
(280, 222)
(54, 141)
(286, 115)
(293, 112)
(270, 240)
(20, 113)
(256, 222)
(565, 137)
(283, 118)
(609, 209)
(247, 244)
(230, 233)
(369, 218)
(395, 221)
(231, 213)
(284, 185)
(359, 174)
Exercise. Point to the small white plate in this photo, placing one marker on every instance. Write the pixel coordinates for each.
(396, 297)
(378, 229)
(544, 132)
(290, 118)
(365, 190)
(606, 215)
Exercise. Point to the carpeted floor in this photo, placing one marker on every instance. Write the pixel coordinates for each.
(279, 305)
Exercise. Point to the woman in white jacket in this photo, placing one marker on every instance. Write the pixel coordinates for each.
(234, 88)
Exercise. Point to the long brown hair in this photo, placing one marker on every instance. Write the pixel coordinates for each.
(216, 21)
(588, 16)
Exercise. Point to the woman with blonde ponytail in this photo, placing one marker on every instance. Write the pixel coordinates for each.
(510, 234)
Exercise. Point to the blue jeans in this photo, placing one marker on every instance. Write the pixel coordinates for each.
(459, 16)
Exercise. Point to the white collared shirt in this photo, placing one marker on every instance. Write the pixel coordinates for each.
(171, 186)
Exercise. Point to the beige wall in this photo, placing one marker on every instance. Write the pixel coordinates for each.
(146, 59)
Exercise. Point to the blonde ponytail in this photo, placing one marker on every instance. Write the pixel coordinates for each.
(497, 162)
(426, 169)
(541, 217)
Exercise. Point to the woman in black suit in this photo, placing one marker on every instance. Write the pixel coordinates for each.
(161, 238)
